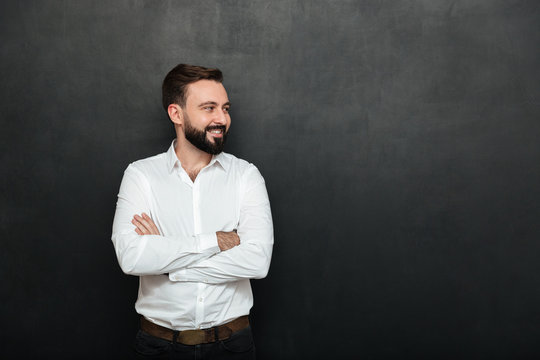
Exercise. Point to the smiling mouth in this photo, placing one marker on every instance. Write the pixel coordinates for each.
(216, 131)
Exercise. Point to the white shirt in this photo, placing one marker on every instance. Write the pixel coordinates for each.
(205, 287)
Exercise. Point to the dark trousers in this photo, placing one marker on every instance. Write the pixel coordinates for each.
(239, 346)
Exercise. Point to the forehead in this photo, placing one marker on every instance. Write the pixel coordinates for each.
(206, 90)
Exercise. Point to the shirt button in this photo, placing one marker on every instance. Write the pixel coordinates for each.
(200, 299)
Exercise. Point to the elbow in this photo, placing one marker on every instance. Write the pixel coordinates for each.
(127, 264)
(261, 273)
(127, 261)
(131, 263)
(127, 267)
(128, 255)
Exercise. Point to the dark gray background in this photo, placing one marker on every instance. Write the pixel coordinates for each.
(399, 141)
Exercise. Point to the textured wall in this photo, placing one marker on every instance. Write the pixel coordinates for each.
(399, 141)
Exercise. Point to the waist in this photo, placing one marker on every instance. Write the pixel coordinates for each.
(195, 337)
(182, 306)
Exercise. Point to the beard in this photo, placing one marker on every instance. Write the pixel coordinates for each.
(198, 137)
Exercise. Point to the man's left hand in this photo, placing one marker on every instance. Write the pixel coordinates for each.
(144, 225)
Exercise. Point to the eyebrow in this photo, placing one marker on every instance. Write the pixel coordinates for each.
(228, 103)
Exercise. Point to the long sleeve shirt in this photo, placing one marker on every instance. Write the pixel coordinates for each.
(186, 282)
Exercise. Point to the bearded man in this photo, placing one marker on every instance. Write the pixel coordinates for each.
(194, 223)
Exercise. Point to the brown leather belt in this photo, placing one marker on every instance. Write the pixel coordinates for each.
(195, 337)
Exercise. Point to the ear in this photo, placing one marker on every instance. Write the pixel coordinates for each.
(176, 114)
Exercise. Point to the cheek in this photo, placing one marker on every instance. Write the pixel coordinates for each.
(205, 122)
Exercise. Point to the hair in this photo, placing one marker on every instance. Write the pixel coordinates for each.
(174, 88)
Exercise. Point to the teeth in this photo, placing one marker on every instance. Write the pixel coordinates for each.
(216, 131)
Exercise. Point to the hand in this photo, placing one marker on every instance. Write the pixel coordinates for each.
(227, 240)
(145, 225)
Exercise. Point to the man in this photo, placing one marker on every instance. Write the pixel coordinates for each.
(195, 225)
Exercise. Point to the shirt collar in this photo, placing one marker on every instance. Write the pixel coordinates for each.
(172, 159)
(222, 159)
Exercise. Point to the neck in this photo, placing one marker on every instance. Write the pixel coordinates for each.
(191, 158)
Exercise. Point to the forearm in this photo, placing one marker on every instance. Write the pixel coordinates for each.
(155, 254)
(250, 259)
(246, 261)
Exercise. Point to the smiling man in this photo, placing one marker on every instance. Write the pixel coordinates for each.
(194, 223)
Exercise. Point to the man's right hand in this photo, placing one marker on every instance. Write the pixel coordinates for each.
(227, 240)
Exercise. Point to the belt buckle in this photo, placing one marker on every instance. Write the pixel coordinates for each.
(190, 337)
(204, 336)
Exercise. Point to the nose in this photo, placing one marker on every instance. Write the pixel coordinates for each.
(221, 118)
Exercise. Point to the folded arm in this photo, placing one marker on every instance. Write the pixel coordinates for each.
(151, 254)
(145, 226)
(250, 259)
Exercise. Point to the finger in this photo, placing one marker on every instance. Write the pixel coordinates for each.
(140, 226)
(147, 221)
(152, 223)
(144, 222)
(154, 230)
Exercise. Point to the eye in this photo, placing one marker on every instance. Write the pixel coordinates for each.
(208, 108)
(226, 109)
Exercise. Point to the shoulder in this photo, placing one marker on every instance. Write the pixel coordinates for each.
(242, 168)
(150, 166)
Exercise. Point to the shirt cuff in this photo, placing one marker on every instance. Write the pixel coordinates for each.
(207, 242)
(178, 275)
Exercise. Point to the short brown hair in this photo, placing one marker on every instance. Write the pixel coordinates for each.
(176, 82)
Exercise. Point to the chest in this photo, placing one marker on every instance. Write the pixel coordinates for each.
(211, 203)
